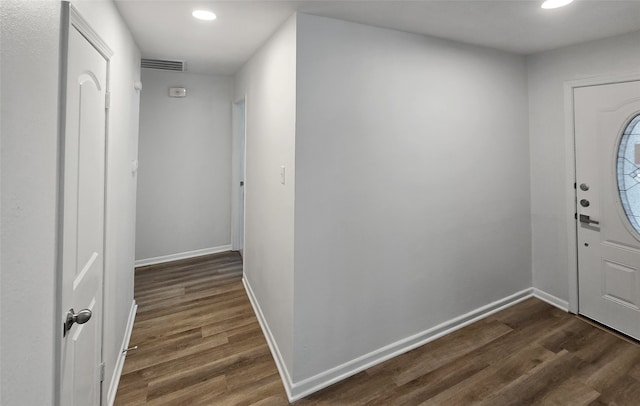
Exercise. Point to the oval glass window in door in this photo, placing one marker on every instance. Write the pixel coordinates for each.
(629, 171)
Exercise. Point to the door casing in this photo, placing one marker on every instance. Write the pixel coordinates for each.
(570, 154)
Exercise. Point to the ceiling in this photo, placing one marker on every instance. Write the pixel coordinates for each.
(165, 29)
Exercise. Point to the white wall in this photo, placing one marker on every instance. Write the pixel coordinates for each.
(269, 82)
(184, 187)
(412, 187)
(547, 73)
(29, 119)
(30, 51)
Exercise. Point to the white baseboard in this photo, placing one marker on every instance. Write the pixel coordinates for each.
(329, 377)
(298, 390)
(552, 300)
(182, 255)
(115, 378)
(273, 346)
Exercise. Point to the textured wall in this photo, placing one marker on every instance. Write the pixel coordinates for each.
(29, 150)
(412, 187)
(184, 186)
(269, 82)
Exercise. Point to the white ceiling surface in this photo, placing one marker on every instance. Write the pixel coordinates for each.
(165, 29)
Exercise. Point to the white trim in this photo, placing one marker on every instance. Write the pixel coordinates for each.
(570, 153)
(117, 373)
(331, 376)
(570, 199)
(182, 255)
(298, 390)
(552, 300)
(85, 29)
(273, 346)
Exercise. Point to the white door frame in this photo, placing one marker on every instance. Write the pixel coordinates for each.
(70, 17)
(238, 158)
(570, 153)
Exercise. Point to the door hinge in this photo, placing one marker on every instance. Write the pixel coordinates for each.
(575, 215)
(107, 100)
(102, 372)
(575, 185)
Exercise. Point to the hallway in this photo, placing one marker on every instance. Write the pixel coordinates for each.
(198, 339)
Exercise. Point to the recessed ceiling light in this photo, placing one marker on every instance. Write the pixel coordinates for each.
(555, 3)
(204, 15)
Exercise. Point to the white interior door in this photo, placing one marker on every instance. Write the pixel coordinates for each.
(83, 222)
(607, 131)
(239, 133)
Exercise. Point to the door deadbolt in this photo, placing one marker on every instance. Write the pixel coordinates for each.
(584, 203)
(584, 187)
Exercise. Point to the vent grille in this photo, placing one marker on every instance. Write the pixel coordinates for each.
(162, 64)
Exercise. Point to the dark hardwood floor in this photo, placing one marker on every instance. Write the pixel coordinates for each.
(199, 343)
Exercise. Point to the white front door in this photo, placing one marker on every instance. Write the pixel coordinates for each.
(83, 222)
(607, 134)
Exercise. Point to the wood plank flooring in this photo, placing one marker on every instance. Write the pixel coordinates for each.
(199, 343)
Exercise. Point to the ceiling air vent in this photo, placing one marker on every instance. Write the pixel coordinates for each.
(162, 64)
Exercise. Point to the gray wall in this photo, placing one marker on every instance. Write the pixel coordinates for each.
(412, 187)
(29, 96)
(269, 82)
(184, 185)
(547, 73)
(30, 47)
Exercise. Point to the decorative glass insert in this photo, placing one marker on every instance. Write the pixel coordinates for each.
(629, 172)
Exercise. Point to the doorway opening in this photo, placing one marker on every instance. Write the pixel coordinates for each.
(238, 175)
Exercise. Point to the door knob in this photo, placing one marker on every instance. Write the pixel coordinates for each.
(81, 317)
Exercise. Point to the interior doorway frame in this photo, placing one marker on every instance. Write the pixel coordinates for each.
(238, 159)
(71, 18)
(570, 154)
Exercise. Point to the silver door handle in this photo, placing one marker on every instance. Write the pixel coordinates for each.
(81, 317)
(587, 220)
